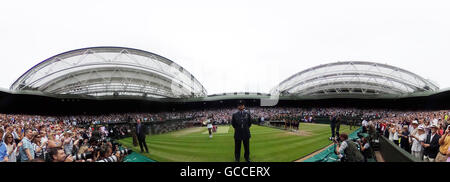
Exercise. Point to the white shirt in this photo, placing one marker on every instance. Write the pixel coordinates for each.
(364, 123)
(416, 147)
(391, 135)
(410, 129)
(342, 149)
(209, 124)
(395, 136)
(432, 136)
(44, 139)
(12, 157)
(366, 146)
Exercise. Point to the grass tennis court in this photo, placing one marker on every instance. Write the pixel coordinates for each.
(266, 144)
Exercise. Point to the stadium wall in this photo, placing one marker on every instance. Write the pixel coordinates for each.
(38, 104)
(393, 153)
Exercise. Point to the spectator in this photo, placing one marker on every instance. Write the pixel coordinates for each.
(11, 147)
(431, 145)
(395, 137)
(448, 155)
(38, 147)
(53, 142)
(3, 150)
(27, 150)
(413, 130)
(68, 142)
(444, 143)
(364, 125)
(404, 139)
(418, 140)
(58, 155)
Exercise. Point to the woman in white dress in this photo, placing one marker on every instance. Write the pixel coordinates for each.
(209, 126)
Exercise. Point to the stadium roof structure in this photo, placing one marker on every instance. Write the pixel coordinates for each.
(354, 79)
(110, 72)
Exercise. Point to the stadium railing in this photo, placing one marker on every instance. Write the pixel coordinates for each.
(393, 153)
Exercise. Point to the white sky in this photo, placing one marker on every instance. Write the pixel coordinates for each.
(233, 45)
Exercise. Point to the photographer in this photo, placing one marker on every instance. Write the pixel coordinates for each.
(58, 155)
(364, 145)
(106, 154)
(347, 150)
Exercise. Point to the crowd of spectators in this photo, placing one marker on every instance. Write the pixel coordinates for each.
(27, 138)
(60, 138)
(424, 134)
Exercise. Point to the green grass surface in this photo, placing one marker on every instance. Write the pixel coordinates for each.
(266, 144)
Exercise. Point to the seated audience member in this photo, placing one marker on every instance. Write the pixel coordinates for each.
(365, 148)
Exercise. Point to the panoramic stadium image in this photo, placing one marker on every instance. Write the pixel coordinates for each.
(224, 86)
(166, 114)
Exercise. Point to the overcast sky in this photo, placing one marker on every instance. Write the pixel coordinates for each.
(234, 45)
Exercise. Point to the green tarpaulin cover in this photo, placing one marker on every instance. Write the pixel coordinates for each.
(328, 154)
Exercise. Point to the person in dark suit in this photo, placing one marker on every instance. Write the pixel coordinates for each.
(333, 126)
(431, 145)
(140, 133)
(338, 124)
(241, 122)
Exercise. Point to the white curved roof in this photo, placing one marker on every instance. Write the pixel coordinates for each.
(107, 71)
(356, 79)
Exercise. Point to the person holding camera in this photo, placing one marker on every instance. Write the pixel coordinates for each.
(107, 154)
(364, 148)
(57, 154)
(347, 150)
